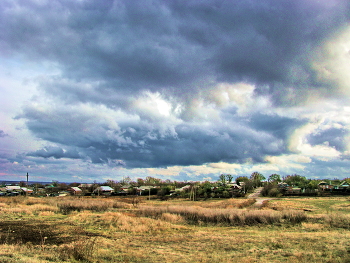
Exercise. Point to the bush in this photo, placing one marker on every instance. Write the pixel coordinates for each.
(338, 220)
(294, 216)
(68, 206)
(81, 250)
(271, 190)
(274, 192)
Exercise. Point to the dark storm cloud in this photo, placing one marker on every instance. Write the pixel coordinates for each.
(278, 126)
(334, 137)
(55, 152)
(177, 45)
(141, 143)
(107, 52)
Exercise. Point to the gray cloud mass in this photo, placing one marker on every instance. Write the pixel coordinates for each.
(156, 83)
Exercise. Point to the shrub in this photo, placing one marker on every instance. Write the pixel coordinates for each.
(271, 190)
(68, 206)
(172, 218)
(81, 250)
(274, 192)
(338, 220)
(294, 216)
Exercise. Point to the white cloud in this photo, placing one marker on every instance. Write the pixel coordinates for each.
(332, 62)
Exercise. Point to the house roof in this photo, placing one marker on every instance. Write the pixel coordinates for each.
(105, 188)
(76, 189)
(25, 189)
(146, 187)
(85, 185)
(16, 187)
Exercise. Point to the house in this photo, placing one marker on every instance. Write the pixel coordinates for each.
(125, 188)
(75, 191)
(344, 186)
(82, 186)
(147, 189)
(11, 188)
(234, 186)
(104, 190)
(26, 190)
(184, 188)
(325, 186)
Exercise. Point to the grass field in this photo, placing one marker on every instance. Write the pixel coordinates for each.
(72, 229)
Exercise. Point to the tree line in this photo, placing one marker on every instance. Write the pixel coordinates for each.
(224, 187)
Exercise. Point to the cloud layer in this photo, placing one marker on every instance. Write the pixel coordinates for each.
(168, 84)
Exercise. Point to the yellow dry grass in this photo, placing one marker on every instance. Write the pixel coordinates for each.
(36, 230)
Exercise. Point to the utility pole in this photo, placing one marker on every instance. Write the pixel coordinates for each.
(27, 184)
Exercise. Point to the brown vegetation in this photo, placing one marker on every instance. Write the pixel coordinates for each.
(69, 229)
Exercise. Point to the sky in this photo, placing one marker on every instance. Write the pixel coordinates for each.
(179, 90)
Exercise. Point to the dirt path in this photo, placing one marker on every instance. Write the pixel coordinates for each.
(256, 195)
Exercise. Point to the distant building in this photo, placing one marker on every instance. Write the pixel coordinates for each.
(75, 191)
(11, 188)
(104, 190)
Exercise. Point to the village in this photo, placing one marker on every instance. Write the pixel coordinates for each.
(224, 187)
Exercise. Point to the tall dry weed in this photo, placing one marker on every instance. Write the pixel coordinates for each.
(294, 216)
(172, 218)
(81, 250)
(229, 203)
(338, 220)
(126, 222)
(195, 214)
(67, 206)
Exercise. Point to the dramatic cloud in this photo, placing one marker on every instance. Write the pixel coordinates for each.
(188, 88)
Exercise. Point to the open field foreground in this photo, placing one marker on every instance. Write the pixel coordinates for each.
(73, 229)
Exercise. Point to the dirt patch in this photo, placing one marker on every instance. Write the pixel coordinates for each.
(37, 233)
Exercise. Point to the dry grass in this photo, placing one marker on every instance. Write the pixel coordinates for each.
(195, 214)
(116, 221)
(115, 230)
(228, 203)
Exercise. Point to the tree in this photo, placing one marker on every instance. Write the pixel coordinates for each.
(296, 180)
(204, 189)
(225, 179)
(243, 179)
(245, 183)
(312, 184)
(112, 184)
(140, 182)
(126, 180)
(152, 181)
(256, 178)
(229, 178)
(165, 190)
(275, 178)
(222, 179)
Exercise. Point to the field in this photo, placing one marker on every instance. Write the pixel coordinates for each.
(73, 229)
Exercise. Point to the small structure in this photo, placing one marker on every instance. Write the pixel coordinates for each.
(344, 186)
(104, 190)
(12, 188)
(27, 191)
(184, 188)
(75, 191)
(85, 187)
(325, 186)
(147, 190)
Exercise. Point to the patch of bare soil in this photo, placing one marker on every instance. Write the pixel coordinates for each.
(38, 233)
